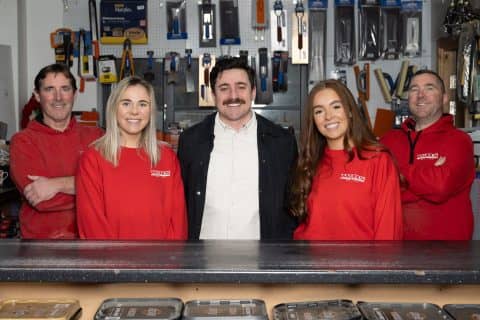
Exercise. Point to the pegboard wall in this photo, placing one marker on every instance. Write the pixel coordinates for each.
(76, 17)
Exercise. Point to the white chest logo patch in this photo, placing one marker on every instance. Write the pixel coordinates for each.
(160, 173)
(352, 177)
(427, 156)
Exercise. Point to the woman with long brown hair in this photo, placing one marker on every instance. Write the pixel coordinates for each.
(346, 185)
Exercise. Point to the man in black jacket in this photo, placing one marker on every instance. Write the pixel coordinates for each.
(236, 164)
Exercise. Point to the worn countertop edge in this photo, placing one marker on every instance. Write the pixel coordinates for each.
(236, 276)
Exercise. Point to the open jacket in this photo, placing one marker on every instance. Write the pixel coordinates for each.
(277, 153)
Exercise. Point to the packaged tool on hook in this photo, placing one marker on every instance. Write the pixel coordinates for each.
(207, 24)
(369, 22)
(86, 65)
(466, 64)
(259, 18)
(317, 29)
(171, 64)
(122, 20)
(176, 20)
(278, 36)
(300, 34)
(391, 32)
(229, 24)
(264, 93)
(243, 55)
(344, 53)
(411, 13)
(189, 80)
(107, 71)
(279, 71)
(206, 62)
(62, 41)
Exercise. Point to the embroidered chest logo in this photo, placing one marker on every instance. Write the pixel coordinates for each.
(160, 173)
(427, 156)
(352, 177)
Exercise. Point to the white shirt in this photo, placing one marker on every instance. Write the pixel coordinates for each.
(231, 201)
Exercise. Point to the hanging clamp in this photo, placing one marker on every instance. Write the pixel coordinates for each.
(127, 68)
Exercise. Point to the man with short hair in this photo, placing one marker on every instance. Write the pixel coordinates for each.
(236, 164)
(44, 157)
(436, 160)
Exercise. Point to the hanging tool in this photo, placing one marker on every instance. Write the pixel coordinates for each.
(229, 22)
(259, 18)
(362, 78)
(279, 71)
(299, 13)
(189, 82)
(107, 71)
(81, 60)
(401, 79)
(263, 63)
(317, 29)
(369, 32)
(243, 55)
(413, 37)
(206, 61)
(62, 40)
(149, 75)
(65, 5)
(67, 49)
(176, 13)
(278, 10)
(92, 13)
(176, 20)
(127, 68)
(382, 82)
(208, 26)
(171, 63)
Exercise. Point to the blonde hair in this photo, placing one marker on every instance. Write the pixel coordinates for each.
(109, 145)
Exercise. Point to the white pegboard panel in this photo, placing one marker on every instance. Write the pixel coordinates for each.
(76, 16)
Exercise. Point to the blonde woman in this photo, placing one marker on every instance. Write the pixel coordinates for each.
(129, 186)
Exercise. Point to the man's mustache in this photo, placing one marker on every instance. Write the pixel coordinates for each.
(232, 101)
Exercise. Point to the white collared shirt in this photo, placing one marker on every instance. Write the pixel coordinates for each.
(231, 201)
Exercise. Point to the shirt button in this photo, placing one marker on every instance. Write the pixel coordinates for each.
(198, 193)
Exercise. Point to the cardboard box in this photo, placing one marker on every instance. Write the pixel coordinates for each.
(123, 19)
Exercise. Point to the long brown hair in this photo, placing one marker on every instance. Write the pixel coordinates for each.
(313, 143)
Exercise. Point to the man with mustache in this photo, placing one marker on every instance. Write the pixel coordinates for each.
(236, 164)
(44, 158)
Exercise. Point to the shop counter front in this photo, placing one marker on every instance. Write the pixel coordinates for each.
(276, 272)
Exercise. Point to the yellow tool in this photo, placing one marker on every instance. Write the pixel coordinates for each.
(127, 68)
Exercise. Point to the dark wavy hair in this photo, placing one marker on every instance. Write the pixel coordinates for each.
(313, 143)
(228, 63)
(55, 69)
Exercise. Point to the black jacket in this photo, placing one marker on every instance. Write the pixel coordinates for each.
(277, 153)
